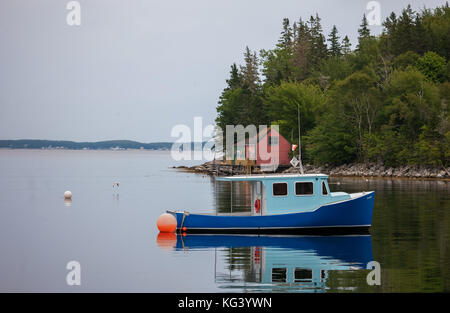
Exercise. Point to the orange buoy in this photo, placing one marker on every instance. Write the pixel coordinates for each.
(166, 241)
(167, 223)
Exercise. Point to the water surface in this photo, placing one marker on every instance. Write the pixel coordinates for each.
(111, 231)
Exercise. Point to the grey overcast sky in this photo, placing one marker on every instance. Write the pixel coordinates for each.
(135, 68)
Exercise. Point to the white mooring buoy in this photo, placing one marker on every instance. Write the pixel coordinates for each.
(67, 195)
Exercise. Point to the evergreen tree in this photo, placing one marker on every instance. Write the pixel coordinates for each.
(384, 102)
(250, 73)
(404, 35)
(363, 31)
(319, 49)
(251, 98)
(335, 46)
(285, 42)
(235, 80)
(390, 24)
(277, 63)
(294, 32)
(346, 46)
(230, 109)
(302, 51)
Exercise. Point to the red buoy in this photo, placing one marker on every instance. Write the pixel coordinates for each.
(167, 223)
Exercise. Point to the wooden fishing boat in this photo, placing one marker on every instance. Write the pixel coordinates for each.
(300, 203)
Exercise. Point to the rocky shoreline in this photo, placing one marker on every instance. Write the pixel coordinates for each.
(350, 170)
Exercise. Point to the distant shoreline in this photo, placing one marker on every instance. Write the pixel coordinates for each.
(38, 144)
(84, 150)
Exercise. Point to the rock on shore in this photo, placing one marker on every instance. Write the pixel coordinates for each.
(350, 170)
(378, 170)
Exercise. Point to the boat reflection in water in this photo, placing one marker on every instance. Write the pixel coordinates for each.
(283, 263)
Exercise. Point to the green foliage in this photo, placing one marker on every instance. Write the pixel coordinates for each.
(331, 142)
(386, 101)
(405, 59)
(433, 66)
(277, 65)
(282, 103)
(420, 32)
(334, 68)
(427, 149)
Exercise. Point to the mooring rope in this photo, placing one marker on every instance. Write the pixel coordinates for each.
(182, 221)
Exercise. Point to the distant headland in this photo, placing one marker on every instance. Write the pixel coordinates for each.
(72, 145)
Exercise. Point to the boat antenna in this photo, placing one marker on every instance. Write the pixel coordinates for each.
(299, 142)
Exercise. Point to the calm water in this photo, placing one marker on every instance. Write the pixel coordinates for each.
(112, 232)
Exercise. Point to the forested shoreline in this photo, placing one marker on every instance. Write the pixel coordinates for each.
(384, 100)
(72, 145)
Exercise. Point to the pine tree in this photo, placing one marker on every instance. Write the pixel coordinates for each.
(335, 46)
(384, 102)
(229, 111)
(235, 80)
(251, 97)
(302, 51)
(390, 24)
(346, 46)
(363, 31)
(405, 35)
(277, 63)
(319, 49)
(250, 73)
(294, 32)
(285, 42)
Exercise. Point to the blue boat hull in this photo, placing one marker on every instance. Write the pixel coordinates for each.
(354, 213)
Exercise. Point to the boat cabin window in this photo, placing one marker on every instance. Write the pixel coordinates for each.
(302, 275)
(304, 188)
(324, 189)
(258, 188)
(279, 275)
(280, 189)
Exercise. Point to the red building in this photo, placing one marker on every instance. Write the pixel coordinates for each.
(271, 148)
